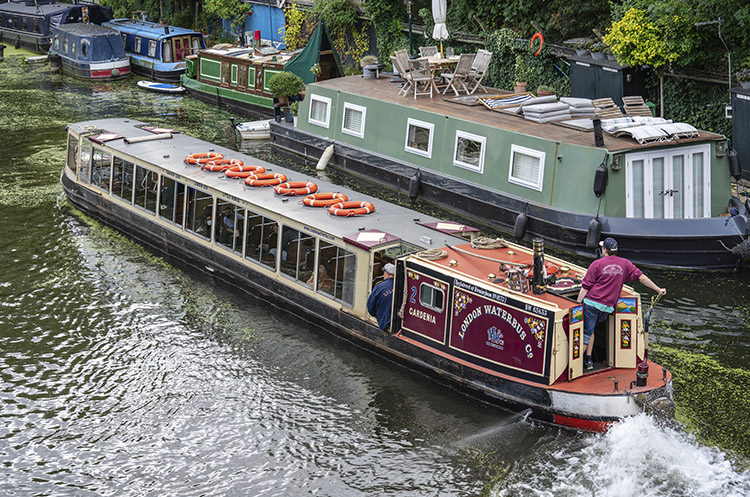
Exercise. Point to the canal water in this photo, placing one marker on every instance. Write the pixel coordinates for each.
(123, 375)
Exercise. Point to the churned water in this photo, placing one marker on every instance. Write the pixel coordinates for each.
(124, 375)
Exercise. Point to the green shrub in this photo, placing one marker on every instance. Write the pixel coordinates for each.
(285, 84)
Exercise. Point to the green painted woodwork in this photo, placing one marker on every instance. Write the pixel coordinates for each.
(233, 77)
(227, 93)
(210, 69)
(267, 75)
(250, 77)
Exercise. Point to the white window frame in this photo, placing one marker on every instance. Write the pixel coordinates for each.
(533, 153)
(152, 48)
(324, 100)
(477, 138)
(422, 124)
(687, 186)
(356, 108)
(137, 48)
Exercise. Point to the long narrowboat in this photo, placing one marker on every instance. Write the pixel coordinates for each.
(237, 77)
(29, 23)
(463, 311)
(664, 191)
(157, 50)
(89, 51)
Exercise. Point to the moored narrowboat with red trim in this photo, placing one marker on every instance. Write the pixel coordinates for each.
(89, 51)
(496, 320)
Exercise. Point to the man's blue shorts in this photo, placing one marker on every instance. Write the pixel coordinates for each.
(591, 317)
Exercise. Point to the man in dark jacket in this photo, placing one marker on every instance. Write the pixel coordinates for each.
(381, 298)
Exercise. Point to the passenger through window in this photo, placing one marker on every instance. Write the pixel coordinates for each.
(230, 225)
(297, 254)
(171, 199)
(261, 238)
(337, 270)
(199, 215)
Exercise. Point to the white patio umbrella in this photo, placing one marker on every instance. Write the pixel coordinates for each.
(440, 32)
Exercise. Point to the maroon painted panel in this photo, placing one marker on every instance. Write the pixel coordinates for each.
(499, 329)
(420, 319)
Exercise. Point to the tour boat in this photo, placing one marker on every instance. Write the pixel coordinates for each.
(492, 318)
(237, 77)
(89, 51)
(661, 189)
(29, 23)
(157, 50)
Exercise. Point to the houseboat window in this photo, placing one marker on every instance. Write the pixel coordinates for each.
(297, 254)
(196, 45)
(230, 225)
(181, 48)
(431, 297)
(336, 272)
(85, 165)
(166, 51)
(353, 122)
(56, 42)
(388, 255)
(145, 188)
(233, 77)
(469, 151)
(152, 48)
(172, 200)
(36, 26)
(419, 137)
(125, 41)
(122, 179)
(101, 164)
(137, 45)
(65, 45)
(84, 48)
(261, 238)
(320, 110)
(242, 77)
(73, 48)
(72, 152)
(526, 167)
(200, 209)
(25, 26)
(668, 184)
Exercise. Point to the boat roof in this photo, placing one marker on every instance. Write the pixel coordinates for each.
(383, 90)
(34, 10)
(149, 29)
(85, 29)
(396, 221)
(247, 53)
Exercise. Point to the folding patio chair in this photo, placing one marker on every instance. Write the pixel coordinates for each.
(479, 69)
(463, 68)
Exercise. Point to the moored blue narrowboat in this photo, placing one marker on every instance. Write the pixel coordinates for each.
(157, 50)
(29, 23)
(89, 51)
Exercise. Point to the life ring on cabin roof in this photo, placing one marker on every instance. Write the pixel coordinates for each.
(219, 165)
(540, 37)
(351, 208)
(265, 179)
(325, 199)
(203, 158)
(243, 171)
(296, 188)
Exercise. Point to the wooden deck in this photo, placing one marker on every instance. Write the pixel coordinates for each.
(383, 89)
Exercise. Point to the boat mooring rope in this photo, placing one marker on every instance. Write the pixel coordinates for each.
(488, 243)
(433, 254)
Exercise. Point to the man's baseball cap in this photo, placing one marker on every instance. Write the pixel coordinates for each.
(389, 268)
(610, 244)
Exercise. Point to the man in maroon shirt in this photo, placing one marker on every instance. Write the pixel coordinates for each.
(601, 288)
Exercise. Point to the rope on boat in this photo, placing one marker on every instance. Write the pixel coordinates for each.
(433, 254)
(485, 258)
(485, 243)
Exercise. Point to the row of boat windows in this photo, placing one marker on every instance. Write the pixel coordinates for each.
(21, 23)
(174, 49)
(69, 47)
(526, 166)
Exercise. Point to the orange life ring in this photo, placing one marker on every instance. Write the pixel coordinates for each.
(540, 37)
(296, 188)
(203, 158)
(219, 165)
(324, 199)
(351, 208)
(265, 179)
(244, 171)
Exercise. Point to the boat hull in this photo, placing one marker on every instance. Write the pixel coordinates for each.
(244, 103)
(680, 244)
(96, 71)
(552, 405)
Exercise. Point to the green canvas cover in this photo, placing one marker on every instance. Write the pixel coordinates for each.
(308, 57)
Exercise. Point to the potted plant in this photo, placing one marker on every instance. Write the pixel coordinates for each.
(285, 84)
(294, 108)
(366, 63)
(544, 90)
(523, 74)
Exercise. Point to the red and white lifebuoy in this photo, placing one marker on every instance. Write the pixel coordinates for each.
(244, 171)
(265, 179)
(220, 165)
(351, 208)
(203, 158)
(296, 188)
(325, 199)
(540, 37)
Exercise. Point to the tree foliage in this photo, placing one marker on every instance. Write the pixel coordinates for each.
(232, 10)
(636, 40)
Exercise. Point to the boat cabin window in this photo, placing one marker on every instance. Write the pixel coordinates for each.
(320, 110)
(65, 45)
(526, 167)
(137, 48)
(199, 213)
(261, 238)
(337, 270)
(181, 48)
(101, 166)
(152, 48)
(37, 29)
(73, 49)
(669, 184)
(125, 41)
(145, 188)
(72, 153)
(122, 179)
(353, 122)
(84, 48)
(85, 164)
(469, 151)
(25, 26)
(229, 230)
(419, 137)
(166, 51)
(297, 254)
(431, 297)
(56, 42)
(388, 255)
(172, 200)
